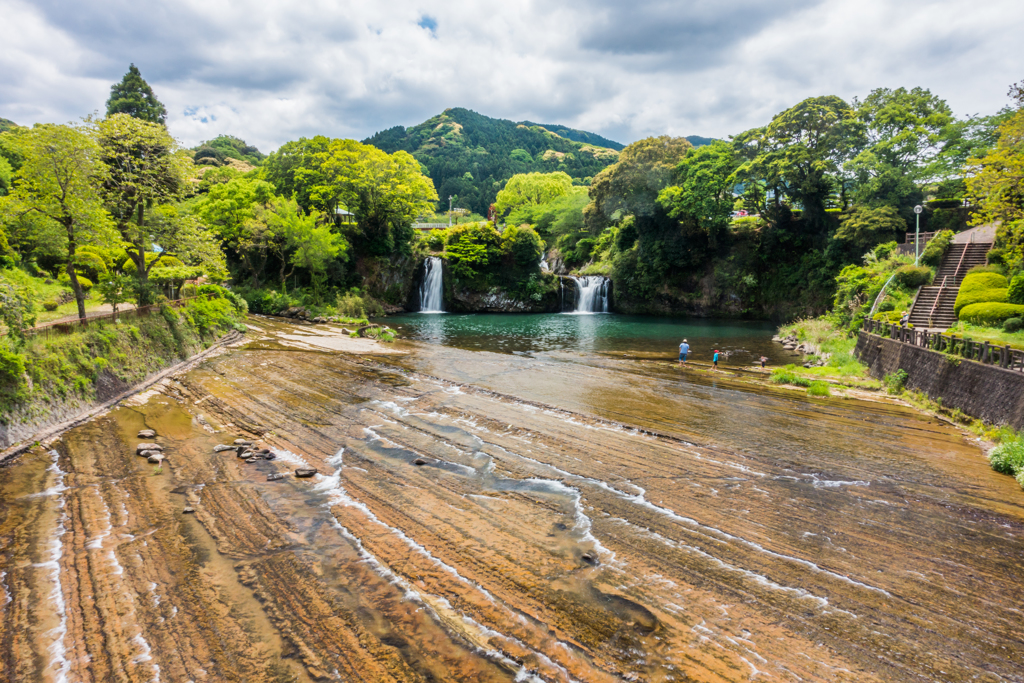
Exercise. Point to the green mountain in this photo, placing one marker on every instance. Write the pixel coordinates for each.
(470, 156)
(6, 125)
(698, 140)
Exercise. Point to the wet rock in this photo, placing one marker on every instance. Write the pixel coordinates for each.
(156, 458)
(221, 447)
(589, 558)
(188, 511)
(277, 476)
(148, 447)
(262, 453)
(788, 347)
(252, 460)
(242, 442)
(419, 461)
(305, 472)
(146, 454)
(146, 434)
(243, 454)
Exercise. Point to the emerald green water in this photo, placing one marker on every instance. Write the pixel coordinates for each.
(742, 342)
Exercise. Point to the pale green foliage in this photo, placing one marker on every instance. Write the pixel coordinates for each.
(17, 309)
(998, 181)
(702, 192)
(532, 188)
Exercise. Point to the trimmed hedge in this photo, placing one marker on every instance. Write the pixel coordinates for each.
(913, 276)
(990, 313)
(1015, 294)
(980, 288)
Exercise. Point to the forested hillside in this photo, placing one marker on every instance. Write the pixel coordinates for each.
(470, 156)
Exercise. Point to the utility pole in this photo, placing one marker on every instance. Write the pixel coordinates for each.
(917, 234)
(449, 211)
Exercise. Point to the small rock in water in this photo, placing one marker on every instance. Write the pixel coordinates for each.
(251, 460)
(146, 434)
(148, 447)
(244, 454)
(242, 442)
(277, 476)
(156, 458)
(304, 472)
(188, 511)
(146, 454)
(589, 558)
(419, 461)
(221, 447)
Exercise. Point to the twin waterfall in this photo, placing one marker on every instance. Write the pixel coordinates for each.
(432, 288)
(593, 294)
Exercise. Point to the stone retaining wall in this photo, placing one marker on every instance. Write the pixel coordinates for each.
(987, 392)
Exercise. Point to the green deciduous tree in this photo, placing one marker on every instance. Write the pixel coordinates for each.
(703, 189)
(532, 188)
(133, 96)
(59, 180)
(234, 211)
(866, 227)
(998, 185)
(631, 185)
(146, 169)
(800, 153)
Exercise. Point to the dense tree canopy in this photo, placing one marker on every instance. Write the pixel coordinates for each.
(532, 188)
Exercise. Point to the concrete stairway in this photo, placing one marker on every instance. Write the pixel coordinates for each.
(933, 307)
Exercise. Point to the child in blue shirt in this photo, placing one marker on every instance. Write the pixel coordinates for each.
(715, 360)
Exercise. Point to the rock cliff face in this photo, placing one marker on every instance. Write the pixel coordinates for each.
(498, 300)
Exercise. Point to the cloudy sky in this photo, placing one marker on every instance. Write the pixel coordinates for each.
(274, 70)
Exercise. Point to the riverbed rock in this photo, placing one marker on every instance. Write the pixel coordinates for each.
(156, 458)
(277, 476)
(188, 511)
(146, 454)
(242, 442)
(305, 472)
(419, 461)
(252, 460)
(148, 447)
(589, 558)
(221, 447)
(789, 347)
(146, 434)
(244, 455)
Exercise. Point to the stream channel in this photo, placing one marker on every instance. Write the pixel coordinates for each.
(509, 498)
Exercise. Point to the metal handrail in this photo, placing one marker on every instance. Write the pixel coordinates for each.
(960, 263)
(938, 296)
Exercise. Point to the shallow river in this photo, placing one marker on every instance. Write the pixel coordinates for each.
(560, 504)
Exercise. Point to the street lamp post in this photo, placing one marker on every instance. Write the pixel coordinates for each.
(449, 211)
(917, 234)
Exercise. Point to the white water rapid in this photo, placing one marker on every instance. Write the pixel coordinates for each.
(432, 289)
(593, 294)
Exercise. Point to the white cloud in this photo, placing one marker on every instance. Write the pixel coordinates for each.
(277, 70)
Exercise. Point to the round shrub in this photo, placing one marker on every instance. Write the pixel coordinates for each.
(1013, 324)
(979, 288)
(886, 306)
(84, 282)
(913, 276)
(1015, 293)
(1007, 457)
(990, 313)
(50, 305)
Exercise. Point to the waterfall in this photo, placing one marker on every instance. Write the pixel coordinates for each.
(432, 289)
(593, 294)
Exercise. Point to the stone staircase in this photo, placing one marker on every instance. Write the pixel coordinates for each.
(933, 306)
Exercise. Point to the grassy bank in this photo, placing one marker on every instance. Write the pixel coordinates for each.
(53, 369)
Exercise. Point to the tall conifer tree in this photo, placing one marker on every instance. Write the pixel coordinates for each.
(134, 97)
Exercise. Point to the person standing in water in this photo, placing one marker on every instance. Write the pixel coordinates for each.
(714, 360)
(684, 349)
(764, 359)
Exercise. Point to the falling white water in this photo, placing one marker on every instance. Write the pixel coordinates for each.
(432, 288)
(593, 294)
